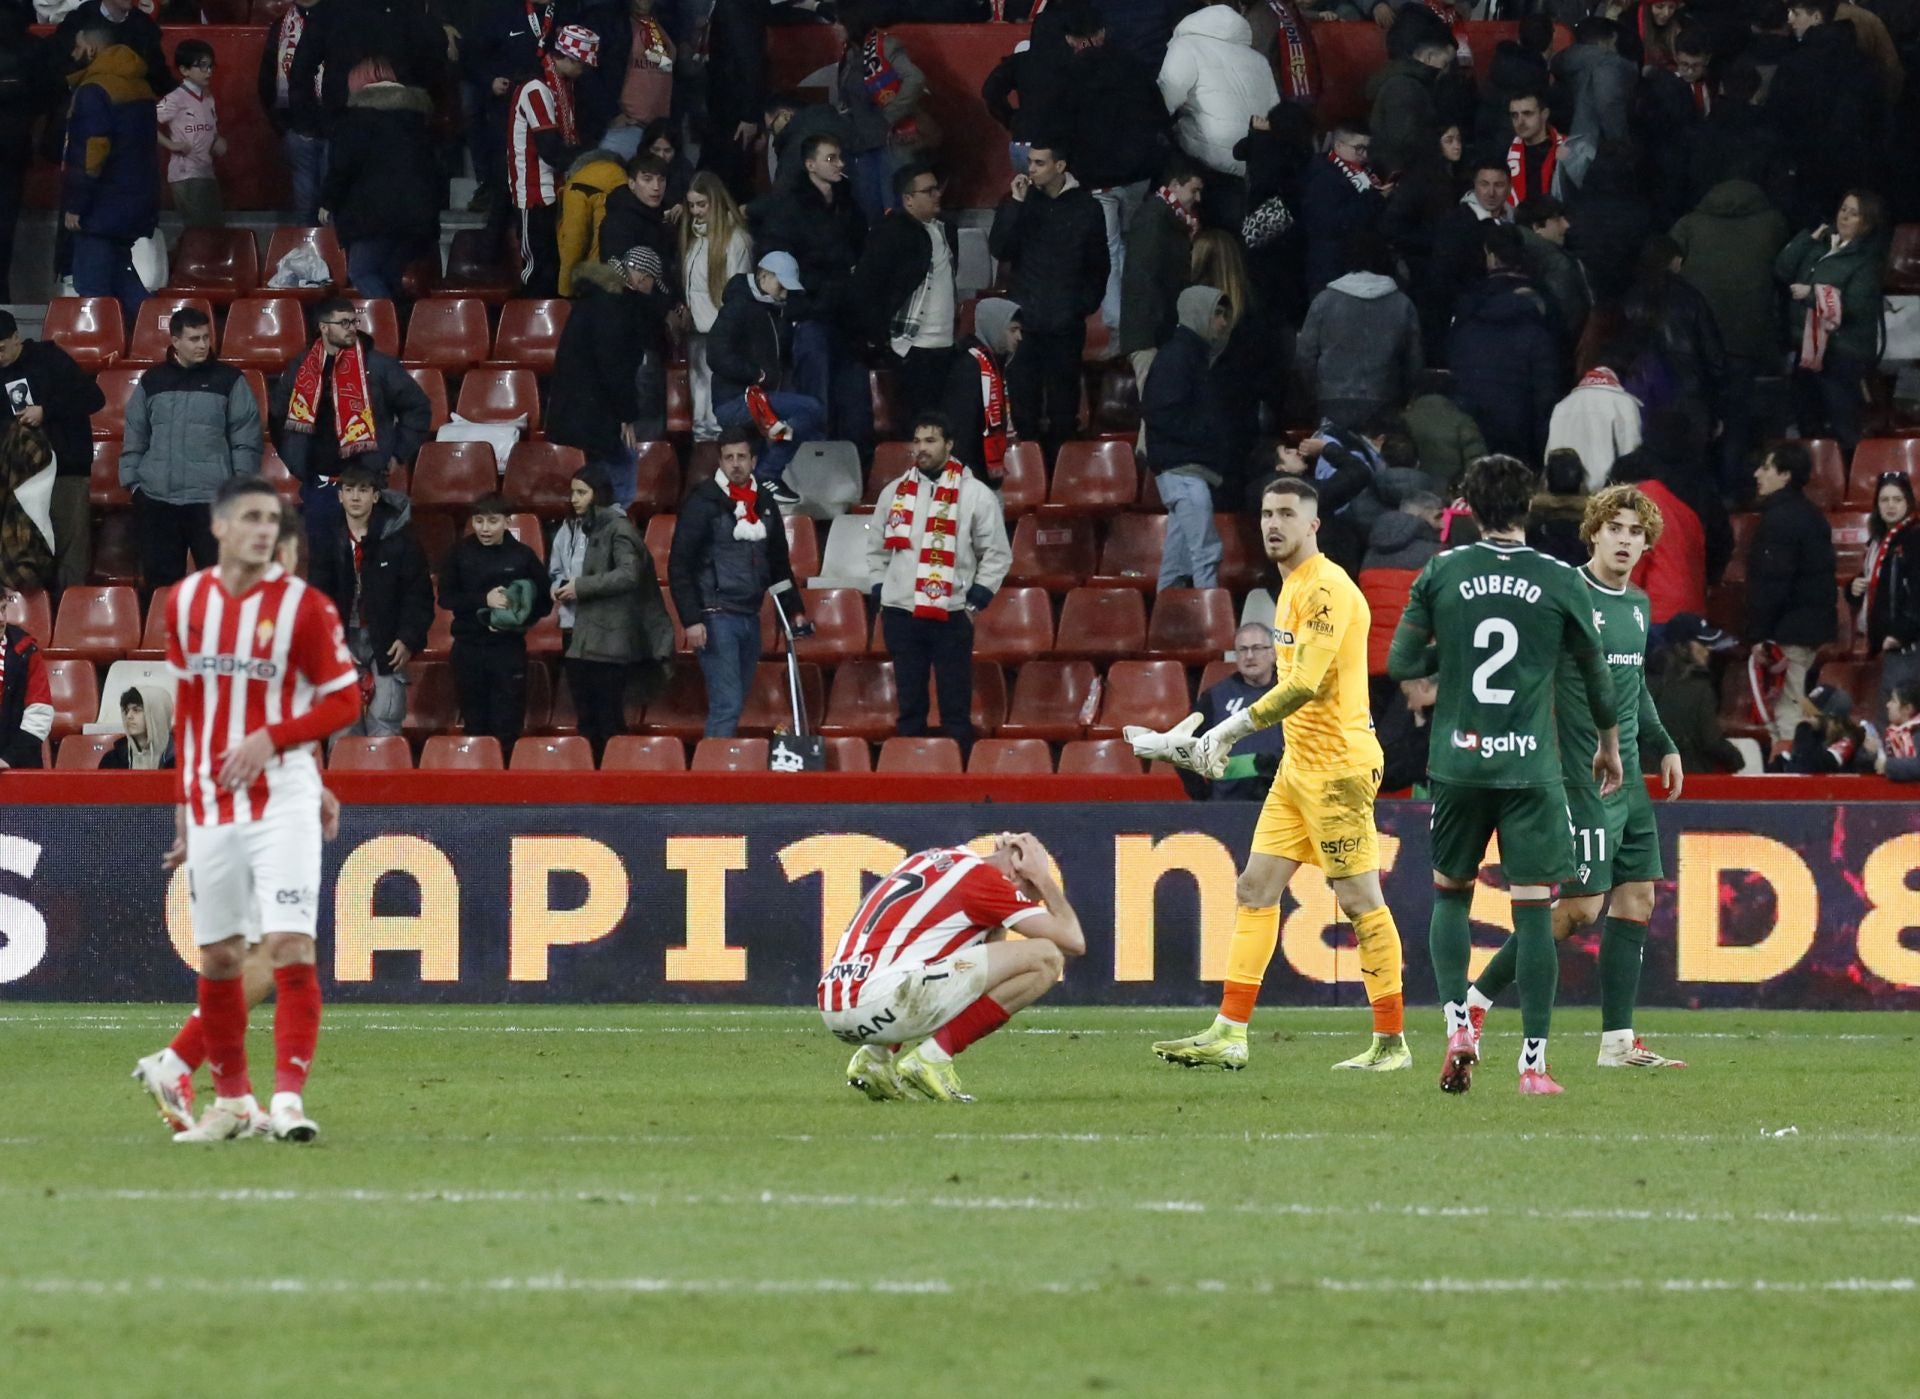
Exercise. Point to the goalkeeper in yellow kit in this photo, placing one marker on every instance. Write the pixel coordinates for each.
(1320, 808)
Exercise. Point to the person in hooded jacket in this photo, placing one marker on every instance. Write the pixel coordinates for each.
(1187, 445)
(1597, 83)
(618, 322)
(1214, 84)
(379, 192)
(975, 401)
(146, 741)
(1359, 350)
(1504, 352)
(1599, 422)
(110, 187)
(749, 349)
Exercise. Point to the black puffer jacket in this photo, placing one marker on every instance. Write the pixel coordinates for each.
(611, 329)
(396, 593)
(1057, 248)
(1790, 588)
(709, 570)
(631, 224)
(380, 168)
(1504, 354)
(749, 342)
(825, 237)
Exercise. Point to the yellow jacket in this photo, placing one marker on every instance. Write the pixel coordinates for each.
(583, 203)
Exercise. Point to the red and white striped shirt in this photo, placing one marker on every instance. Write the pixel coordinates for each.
(933, 904)
(532, 182)
(244, 663)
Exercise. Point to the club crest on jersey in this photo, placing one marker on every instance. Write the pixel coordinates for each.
(263, 634)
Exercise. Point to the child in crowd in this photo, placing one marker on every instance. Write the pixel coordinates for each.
(190, 129)
(496, 588)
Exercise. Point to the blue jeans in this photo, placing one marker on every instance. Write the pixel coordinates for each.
(1117, 206)
(306, 158)
(871, 175)
(830, 370)
(623, 471)
(803, 414)
(1192, 550)
(728, 660)
(104, 267)
(376, 265)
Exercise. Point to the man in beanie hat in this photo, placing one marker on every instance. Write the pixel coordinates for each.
(610, 362)
(975, 401)
(543, 139)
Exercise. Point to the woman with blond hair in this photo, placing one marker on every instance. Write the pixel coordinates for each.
(715, 247)
(1245, 370)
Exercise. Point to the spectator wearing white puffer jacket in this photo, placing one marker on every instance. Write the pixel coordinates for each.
(1214, 83)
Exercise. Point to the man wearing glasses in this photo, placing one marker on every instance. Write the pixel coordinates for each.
(1340, 197)
(908, 269)
(1256, 757)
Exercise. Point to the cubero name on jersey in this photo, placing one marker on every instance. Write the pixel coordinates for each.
(1499, 584)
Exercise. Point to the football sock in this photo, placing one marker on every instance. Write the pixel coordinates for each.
(1533, 1055)
(223, 1014)
(296, 1025)
(1450, 942)
(1478, 999)
(1497, 975)
(1536, 965)
(1256, 932)
(1380, 967)
(976, 1022)
(191, 1043)
(1621, 943)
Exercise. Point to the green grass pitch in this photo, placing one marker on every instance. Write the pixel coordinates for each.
(654, 1200)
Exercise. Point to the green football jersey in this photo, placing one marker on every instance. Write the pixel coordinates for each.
(1622, 616)
(1500, 617)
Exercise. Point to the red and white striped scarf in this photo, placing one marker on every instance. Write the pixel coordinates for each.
(995, 429)
(933, 581)
(1362, 176)
(1823, 318)
(1517, 168)
(1180, 212)
(1599, 377)
(1296, 61)
(1899, 739)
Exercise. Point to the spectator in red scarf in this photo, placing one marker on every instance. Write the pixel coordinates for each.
(1895, 754)
(26, 701)
(1340, 196)
(1887, 592)
(877, 88)
(1533, 159)
(1159, 256)
(543, 139)
(303, 141)
(976, 401)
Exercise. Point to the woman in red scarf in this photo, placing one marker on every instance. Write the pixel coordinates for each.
(1887, 592)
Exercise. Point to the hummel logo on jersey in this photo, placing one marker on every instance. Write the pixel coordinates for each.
(1598, 619)
(1639, 617)
(1496, 745)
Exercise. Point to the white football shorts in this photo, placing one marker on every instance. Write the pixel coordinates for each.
(252, 878)
(910, 1003)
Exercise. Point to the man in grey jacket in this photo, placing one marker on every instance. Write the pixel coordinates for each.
(928, 588)
(192, 422)
(1359, 349)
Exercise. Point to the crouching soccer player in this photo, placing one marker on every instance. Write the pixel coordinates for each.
(1616, 840)
(925, 960)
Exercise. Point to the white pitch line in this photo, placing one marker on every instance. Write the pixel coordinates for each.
(563, 1283)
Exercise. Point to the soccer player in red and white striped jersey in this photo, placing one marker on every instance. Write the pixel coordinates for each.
(264, 674)
(924, 959)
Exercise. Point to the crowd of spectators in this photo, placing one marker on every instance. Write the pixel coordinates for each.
(1605, 256)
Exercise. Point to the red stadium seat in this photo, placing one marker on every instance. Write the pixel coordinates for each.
(1016, 626)
(1873, 459)
(439, 631)
(803, 547)
(539, 476)
(884, 397)
(891, 460)
(529, 333)
(90, 328)
(846, 754)
(659, 537)
(1052, 700)
(96, 624)
(448, 753)
(1055, 554)
(919, 755)
(1212, 674)
(83, 752)
(679, 401)
(150, 337)
(273, 470)
(550, 753)
(863, 702)
(117, 385)
(32, 612)
(153, 638)
(1386, 591)
(1010, 757)
(264, 333)
(433, 701)
(448, 333)
(1152, 693)
(479, 267)
(1745, 524)
(104, 491)
(524, 526)
(360, 754)
(380, 321)
(1194, 625)
(1903, 270)
(768, 706)
(1243, 557)
(75, 688)
(258, 383)
(449, 476)
(490, 394)
(1102, 624)
(644, 753)
(1131, 556)
(221, 264)
(288, 237)
(434, 385)
(1851, 531)
(1116, 405)
(681, 709)
(1828, 485)
(730, 755)
(116, 551)
(1093, 478)
(1024, 488)
(657, 489)
(839, 617)
(1099, 757)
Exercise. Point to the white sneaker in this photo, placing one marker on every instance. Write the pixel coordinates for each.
(228, 1120)
(290, 1120)
(1634, 1054)
(171, 1090)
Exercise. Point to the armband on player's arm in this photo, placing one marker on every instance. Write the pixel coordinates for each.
(1295, 688)
(327, 717)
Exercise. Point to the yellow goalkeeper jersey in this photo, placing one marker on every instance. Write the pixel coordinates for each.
(1322, 622)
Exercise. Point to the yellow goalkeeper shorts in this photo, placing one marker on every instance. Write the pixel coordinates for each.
(1321, 818)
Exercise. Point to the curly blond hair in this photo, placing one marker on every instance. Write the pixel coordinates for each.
(1604, 505)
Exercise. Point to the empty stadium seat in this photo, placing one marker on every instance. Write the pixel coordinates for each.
(681, 708)
(803, 544)
(1052, 700)
(83, 752)
(529, 333)
(380, 321)
(524, 526)
(490, 394)
(1116, 400)
(357, 753)
(769, 706)
(1097, 757)
(479, 267)
(439, 631)
(433, 701)
(1211, 674)
(730, 755)
(1130, 558)
(884, 397)
(551, 753)
(89, 328)
(96, 624)
(843, 563)
(1016, 626)
(32, 611)
(1745, 523)
(1194, 625)
(448, 333)
(1876, 457)
(644, 753)
(839, 617)
(1243, 557)
(659, 538)
(657, 488)
(151, 339)
(1828, 485)
(264, 333)
(679, 401)
(862, 702)
(273, 470)
(221, 264)
(433, 384)
(75, 690)
(459, 753)
(1024, 487)
(1150, 693)
(847, 754)
(1102, 624)
(539, 476)
(116, 551)
(257, 382)
(116, 384)
(450, 475)
(104, 491)
(288, 237)
(1055, 554)
(1093, 478)
(1010, 757)
(919, 755)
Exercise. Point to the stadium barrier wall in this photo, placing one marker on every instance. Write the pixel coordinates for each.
(1782, 904)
